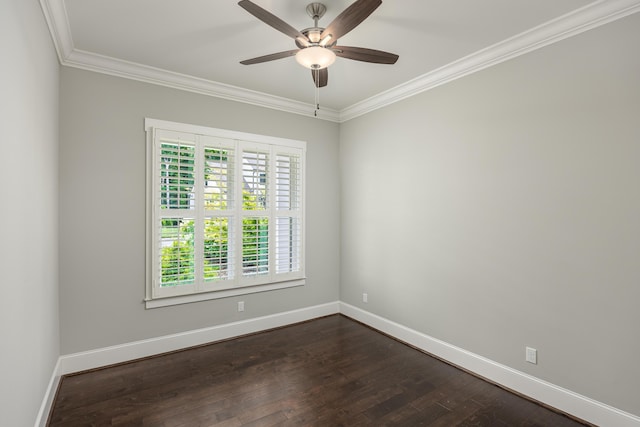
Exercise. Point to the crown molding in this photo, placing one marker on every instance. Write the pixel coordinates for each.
(573, 23)
(144, 73)
(55, 13)
(583, 19)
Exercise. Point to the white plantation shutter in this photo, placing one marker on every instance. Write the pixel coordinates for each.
(288, 195)
(255, 180)
(255, 204)
(175, 168)
(218, 176)
(288, 245)
(226, 212)
(219, 206)
(255, 246)
(177, 174)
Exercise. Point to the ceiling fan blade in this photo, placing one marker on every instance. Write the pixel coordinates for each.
(320, 77)
(365, 55)
(272, 20)
(350, 18)
(270, 57)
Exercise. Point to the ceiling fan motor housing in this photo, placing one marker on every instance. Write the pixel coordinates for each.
(315, 12)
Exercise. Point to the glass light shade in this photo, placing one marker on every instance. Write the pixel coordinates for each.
(315, 57)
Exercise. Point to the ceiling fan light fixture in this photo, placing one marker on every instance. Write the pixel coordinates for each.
(301, 41)
(325, 40)
(315, 57)
(314, 35)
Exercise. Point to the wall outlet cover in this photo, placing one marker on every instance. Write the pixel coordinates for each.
(531, 355)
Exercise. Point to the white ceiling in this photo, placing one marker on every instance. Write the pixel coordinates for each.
(197, 44)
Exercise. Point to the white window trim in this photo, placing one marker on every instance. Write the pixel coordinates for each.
(241, 286)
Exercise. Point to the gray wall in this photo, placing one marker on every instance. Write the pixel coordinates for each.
(29, 327)
(102, 209)
(502, 210)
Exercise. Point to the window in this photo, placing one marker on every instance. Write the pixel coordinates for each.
(225, 213)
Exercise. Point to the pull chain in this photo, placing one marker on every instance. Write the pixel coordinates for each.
(317, 92)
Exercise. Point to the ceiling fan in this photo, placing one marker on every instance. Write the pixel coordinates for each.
(317, 46)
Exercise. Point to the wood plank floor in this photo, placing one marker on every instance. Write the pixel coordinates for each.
(327, 372)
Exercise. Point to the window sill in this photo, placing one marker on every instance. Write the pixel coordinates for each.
(204, 296)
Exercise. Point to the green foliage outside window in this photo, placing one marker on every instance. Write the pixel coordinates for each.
(216, 248)
(177, 260)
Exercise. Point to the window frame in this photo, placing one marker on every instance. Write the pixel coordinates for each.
(157, 296)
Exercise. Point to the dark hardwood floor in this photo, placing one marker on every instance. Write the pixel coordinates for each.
(327, 372)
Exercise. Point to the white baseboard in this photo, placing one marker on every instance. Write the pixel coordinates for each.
(97, 358)
(565, 400)
(49, 395)
(135, 350)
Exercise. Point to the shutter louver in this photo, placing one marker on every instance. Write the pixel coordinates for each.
(288, 241)
(177, 176)
(218, 261)
(177, 195)
(255, 229)
(288, 200)
(218, 178)
(287, 182)
(255, 246)
(255, 175)
(176, 252)
(219, 202)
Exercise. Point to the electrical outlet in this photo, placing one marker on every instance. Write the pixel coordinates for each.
(240, 305)
(365, 298)
(531, 355)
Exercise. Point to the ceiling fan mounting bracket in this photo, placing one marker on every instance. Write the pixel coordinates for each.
(316, 11)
